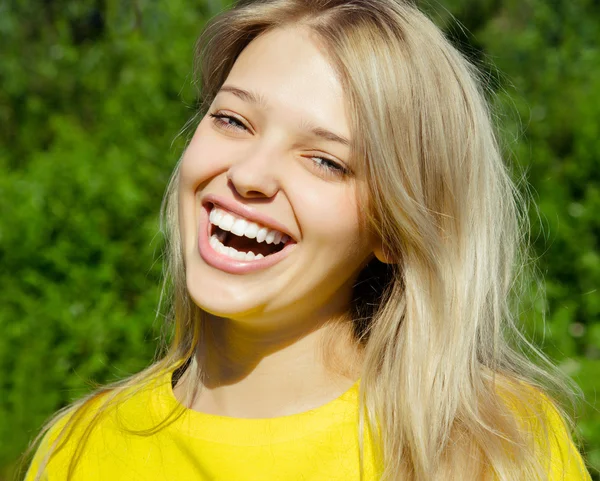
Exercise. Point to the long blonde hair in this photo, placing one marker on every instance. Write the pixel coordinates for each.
(444, 365)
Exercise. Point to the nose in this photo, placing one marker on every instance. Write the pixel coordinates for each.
(255, 175)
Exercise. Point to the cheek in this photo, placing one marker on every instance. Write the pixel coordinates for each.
(201, 159)
(332, 216)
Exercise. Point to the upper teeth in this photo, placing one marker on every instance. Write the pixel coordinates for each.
(243, 227)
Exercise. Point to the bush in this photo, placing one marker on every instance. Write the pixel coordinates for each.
(90, 105)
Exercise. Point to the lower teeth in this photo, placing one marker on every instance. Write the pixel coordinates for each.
(217, 245)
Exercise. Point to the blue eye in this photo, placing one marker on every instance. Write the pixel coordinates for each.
(228, 122)
(330, 166)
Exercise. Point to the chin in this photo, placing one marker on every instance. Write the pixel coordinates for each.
(221, 297)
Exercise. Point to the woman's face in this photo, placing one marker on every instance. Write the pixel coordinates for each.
(271, 162)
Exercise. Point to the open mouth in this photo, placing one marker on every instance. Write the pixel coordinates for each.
(242, 239)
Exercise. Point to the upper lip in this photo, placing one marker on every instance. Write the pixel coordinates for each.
(246, 212)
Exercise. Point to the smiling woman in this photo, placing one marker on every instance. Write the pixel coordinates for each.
(342, 241)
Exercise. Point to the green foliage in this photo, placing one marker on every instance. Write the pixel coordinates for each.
(91, 101)
(93, 94)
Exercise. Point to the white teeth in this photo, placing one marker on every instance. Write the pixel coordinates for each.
(241, 227)
(218, 246)
(218, 216)
(251, 230)
(270, 237)
(222, 249)
(227, 222)
(262, 234)
(240, 256)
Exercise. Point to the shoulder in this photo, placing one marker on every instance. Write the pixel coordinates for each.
(86, 426)
(541, 421)
(57, 444)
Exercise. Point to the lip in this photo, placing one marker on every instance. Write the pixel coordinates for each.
(247, 212)
(226, 263)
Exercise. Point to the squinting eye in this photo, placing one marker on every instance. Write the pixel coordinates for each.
(228, 122)
(330, 166)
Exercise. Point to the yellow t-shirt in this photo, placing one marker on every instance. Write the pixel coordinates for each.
(320, 444)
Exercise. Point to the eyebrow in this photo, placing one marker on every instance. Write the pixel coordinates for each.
(328, 135)
(257, 99)
(245, 95)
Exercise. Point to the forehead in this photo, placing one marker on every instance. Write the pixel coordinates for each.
(287, 69)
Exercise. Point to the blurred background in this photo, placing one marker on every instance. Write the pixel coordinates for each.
(93, 96)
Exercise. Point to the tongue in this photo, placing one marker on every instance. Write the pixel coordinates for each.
(243, 244)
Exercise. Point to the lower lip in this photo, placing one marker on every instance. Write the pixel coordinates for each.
(226, 263)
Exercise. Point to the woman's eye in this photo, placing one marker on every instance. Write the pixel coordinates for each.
(228, 122)
(329, 166)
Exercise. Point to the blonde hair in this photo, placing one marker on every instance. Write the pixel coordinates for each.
(444, 365)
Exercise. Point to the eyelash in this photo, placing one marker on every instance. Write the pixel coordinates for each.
(220, 120)
(229, 122)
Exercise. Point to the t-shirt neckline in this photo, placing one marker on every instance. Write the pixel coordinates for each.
(254, 431)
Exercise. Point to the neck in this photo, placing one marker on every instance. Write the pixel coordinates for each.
(256, 374)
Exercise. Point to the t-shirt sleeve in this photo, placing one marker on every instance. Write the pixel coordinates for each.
(50, 473)
(40, 454)
(566, 463)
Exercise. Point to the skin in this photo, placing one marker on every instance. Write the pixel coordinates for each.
(261, 353)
